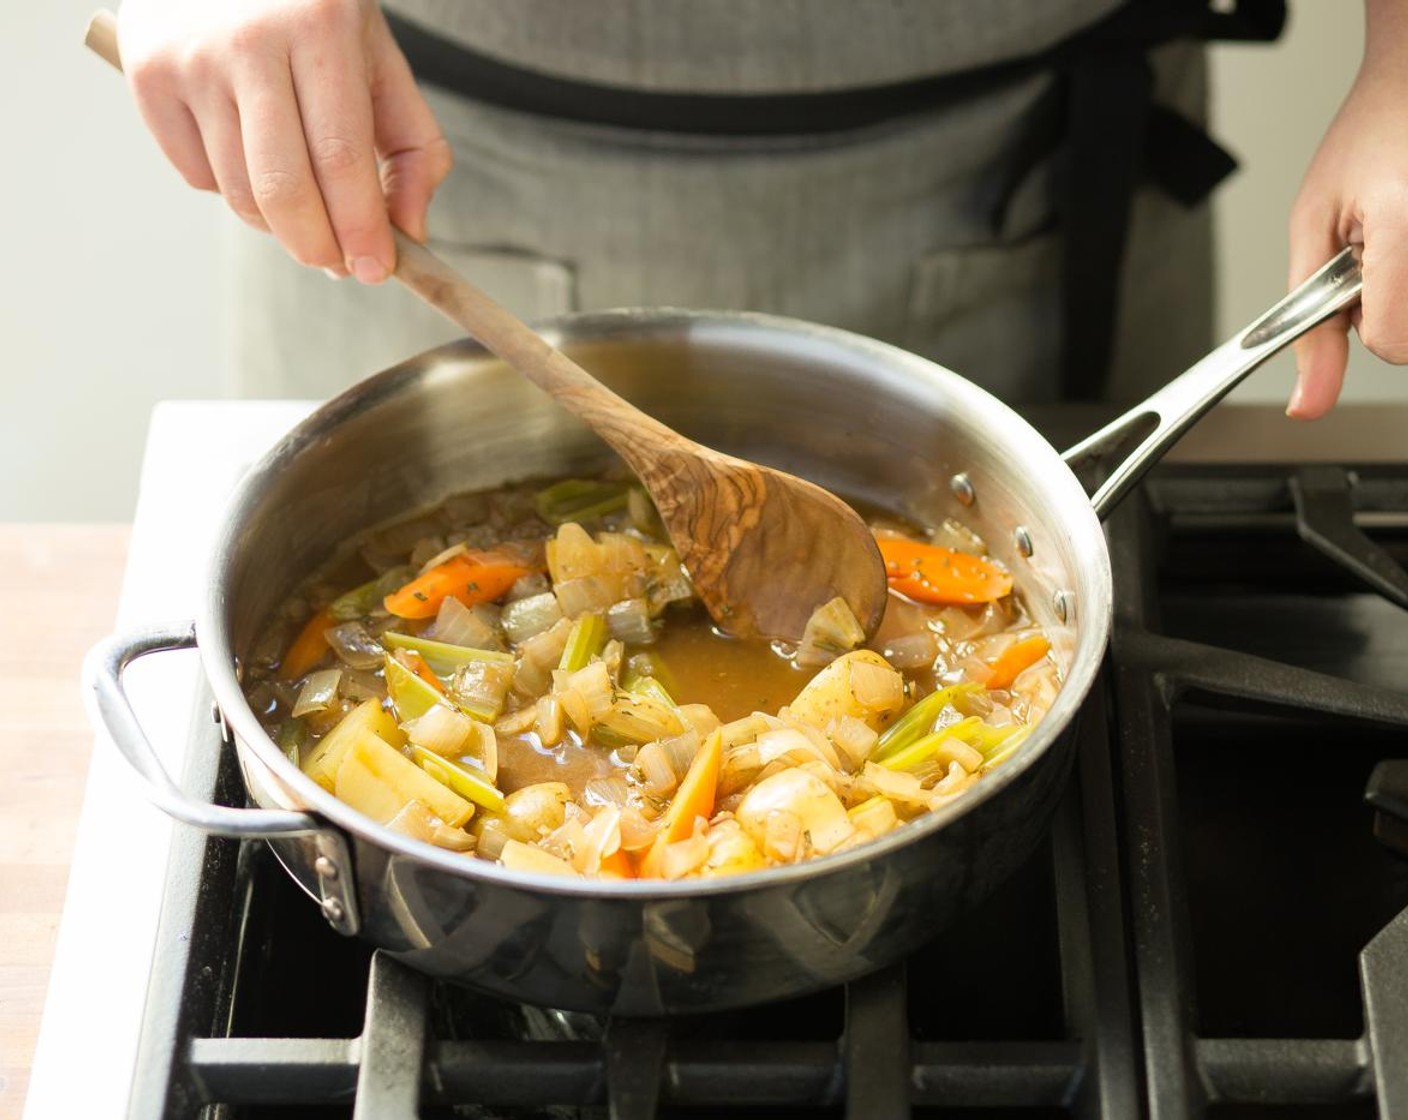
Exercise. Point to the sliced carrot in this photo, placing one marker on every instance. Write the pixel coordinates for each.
(309, 647)
(934, 574)
(471, 577)
(1008, 665)
(694, 798)
(618, 865)
(421, 668)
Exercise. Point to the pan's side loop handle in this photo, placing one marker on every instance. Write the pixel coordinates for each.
(1119, 453)
(102, 682)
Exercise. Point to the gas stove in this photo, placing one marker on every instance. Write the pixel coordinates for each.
(1217, 925)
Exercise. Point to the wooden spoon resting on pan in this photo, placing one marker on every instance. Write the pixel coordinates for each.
(764, 548)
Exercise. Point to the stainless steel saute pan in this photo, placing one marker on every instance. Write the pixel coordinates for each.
(864, 419)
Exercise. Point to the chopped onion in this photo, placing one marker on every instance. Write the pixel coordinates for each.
(318, 692)
(611, 790)
(441, 730)
(955, 780)
(416, 821)
(739, 767)
(536, 810)
(593, 685)
(952, 750)
(637, 833)
(681, 748)
(773, 745)
(481, 687)
(831, 631)
(782, 836)
(629, 621)
(911, 651)
(354, 646)
(876, 687)
(895, 784)
(853, 738)
(601, 839)
(359, 685)
(549, 721)
(657, 774)
(585, 595)
(545, 650)
(800, 794)
(701, 717)
(476, 627)
(665, 579)
(524, 619)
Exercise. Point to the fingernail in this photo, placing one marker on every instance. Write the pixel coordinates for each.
(335, 273)
(1297, 395)
(369, 270)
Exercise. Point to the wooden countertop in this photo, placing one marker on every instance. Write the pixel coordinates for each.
(58, 594)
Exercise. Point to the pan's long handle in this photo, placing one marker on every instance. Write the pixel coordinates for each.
(1134, 442)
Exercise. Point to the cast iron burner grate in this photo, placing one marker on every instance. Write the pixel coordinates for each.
(1184, 945)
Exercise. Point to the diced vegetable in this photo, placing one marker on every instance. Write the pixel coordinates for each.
(461, 779)
(831, 631)
(476, 627)
(585, 641)
(580, 499)
(805, 796)
(481, 688)
(310, 647)
(517, 856)
(378, 780)
(836, 692)
(933, 574)
(696, 793)
(629, 622)
(534, 811)
(441, 730)
(353, 645)
(318, 692)
(442, 657)
(471, 577)
(366, 599)
(1015, 658)
(524, 619)
(368, 718)
(293, 735)
(411, 695)
(917, 722)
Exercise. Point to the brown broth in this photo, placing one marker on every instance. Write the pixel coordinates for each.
(735, 678)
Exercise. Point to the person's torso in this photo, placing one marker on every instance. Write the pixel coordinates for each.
(752, 46)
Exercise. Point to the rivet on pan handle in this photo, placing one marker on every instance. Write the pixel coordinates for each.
(1116, 457)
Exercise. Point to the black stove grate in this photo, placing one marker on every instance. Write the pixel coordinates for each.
(1137, 966)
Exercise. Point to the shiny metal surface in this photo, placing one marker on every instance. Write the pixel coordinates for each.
(859, 417)
(1156, 424)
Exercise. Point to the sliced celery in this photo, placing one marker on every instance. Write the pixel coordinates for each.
(580, 499)
(917, 722)
(649, 686)
(460, 779)
(585, 641)
(412, 696)
(1005, 747)
(363, 600)
(442, 657)
(919, 752)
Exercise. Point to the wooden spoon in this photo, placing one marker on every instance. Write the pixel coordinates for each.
(763, 548)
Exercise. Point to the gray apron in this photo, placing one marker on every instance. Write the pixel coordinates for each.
(886, 230)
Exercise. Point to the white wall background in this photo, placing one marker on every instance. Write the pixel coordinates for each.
(110, 294)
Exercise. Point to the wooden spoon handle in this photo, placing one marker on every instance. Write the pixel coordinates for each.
(527, 351)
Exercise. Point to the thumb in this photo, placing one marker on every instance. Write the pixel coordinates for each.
(1321, 354)
(415, 155)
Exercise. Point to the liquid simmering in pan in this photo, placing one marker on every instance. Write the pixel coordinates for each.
(525, 676)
